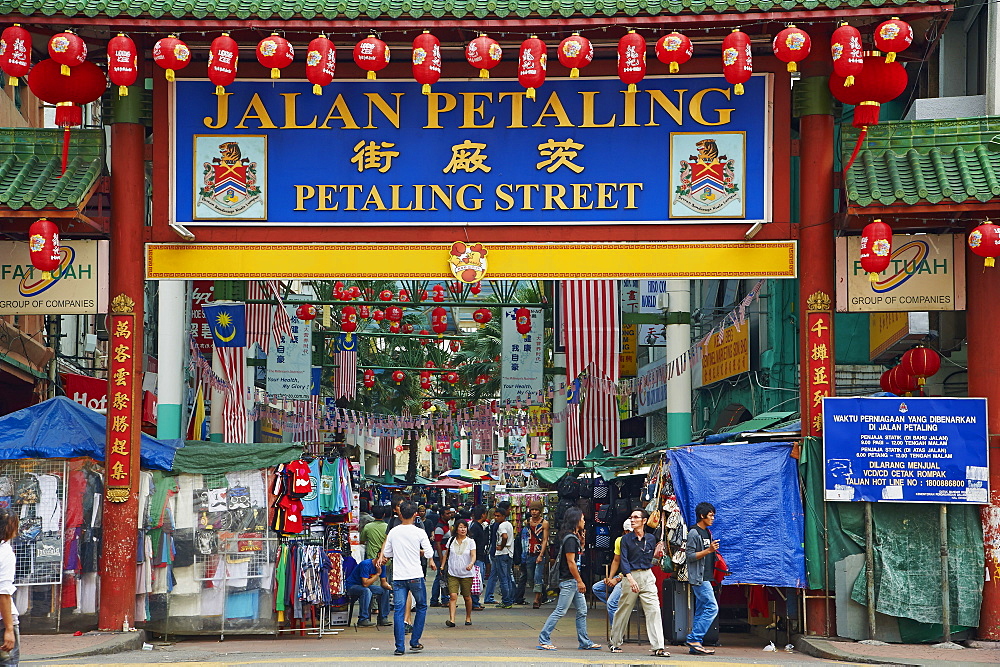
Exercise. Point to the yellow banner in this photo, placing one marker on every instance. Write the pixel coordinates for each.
(627, 362)
(885, 330)
(726, 357)
(534, 261)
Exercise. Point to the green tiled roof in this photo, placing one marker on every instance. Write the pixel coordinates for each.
(758, 423)
(330, 10)
(953, 161)
(30, 162)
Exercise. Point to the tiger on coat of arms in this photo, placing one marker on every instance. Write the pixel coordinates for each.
(707, 180)
(230, 181)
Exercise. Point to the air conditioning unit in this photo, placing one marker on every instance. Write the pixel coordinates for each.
(663, 301)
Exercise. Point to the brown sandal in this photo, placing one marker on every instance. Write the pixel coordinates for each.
(535, 605)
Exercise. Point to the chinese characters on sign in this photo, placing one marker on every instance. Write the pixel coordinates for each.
(289, 363)
(819, 362)
(521, 370)
(120, 410)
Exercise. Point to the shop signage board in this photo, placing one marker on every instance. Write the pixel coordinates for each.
(890, 334)
(289, 363)
(521, 359)
(682, 149)
(906, 450)
(78, 287)
(652, 394)
(628, 293)
(926, 272)
(650, 292)
(723, 354)
(202, 292)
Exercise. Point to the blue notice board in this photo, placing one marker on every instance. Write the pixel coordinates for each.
(923, 450)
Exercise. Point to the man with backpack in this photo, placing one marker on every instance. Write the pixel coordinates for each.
(701, 550)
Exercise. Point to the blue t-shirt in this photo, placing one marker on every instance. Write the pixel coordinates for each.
(365, 569)
(310, 502)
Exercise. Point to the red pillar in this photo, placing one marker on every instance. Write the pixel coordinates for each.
(121, 507)
(814, 107)
(982, 319)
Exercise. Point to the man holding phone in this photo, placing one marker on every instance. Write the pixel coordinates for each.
(701, 550)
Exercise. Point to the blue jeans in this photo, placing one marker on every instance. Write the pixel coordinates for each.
(364, 595)
(439, 590)
(705, 610)
(601, 593)
(568, 594)
(400, 587)
(503, 575)
(535, 572)
(482, 573)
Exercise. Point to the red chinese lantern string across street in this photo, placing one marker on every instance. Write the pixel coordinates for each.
(426, 60)
(631, 59)
(845, 49)
(67, 49)
(171, 54)
(43, 246)
(482, 316)
(876, 248)
(394, 313)
(531, 64)
(439, 320)
(575, 52)
(737, 60)
(674, 49)
(223, 59)
(893, 36)
(902, 380)
(984, 241)
(792, 45)
(123, 63)
(349, 320)
(369, 378)
(275, 53)
(483, 53)
(921, 362)
(85, 84)
(321, 63)
(15, 53)
(371, 54)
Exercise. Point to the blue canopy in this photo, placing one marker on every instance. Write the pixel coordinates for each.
(63, 429)
(759, 519)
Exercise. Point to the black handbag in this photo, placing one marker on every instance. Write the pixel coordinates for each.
(568, 488)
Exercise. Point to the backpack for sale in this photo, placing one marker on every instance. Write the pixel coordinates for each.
(561, 510)
(569, 488)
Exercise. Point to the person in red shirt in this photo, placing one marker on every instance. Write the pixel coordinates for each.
(441, 533)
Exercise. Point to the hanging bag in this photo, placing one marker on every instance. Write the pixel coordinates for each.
(721, 570)
(553, 580)
(477, 580)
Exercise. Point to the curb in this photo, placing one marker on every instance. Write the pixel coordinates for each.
(820, 648)
(116, 643)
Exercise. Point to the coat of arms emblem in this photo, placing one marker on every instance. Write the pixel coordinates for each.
(231, 185)
(707, 182)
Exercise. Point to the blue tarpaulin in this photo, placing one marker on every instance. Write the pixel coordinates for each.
(60, 428)
(759, 519)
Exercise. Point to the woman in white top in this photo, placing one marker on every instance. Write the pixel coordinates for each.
(460, 555)
(10, 649)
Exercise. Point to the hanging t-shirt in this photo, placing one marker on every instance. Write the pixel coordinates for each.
(291, 515)
(298, 479)
(310, 501)
(327, 472)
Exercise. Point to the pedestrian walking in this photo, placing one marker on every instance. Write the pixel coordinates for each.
(503, 559)
(637, 551)
(538, 546)
(365, 582)
(459, 555)
(609, 589)
(405, 544)
(373, 534)
(571, 586)
(439, 592)
(10, 649)
(701, 550)
(478, 532)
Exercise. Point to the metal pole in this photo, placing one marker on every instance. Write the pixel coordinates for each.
(945, 584)
(870, 568)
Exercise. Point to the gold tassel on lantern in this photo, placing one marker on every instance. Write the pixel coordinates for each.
(890, 57)
(632, 88)
(426, 89)
(792, 67)
(989, 262)
(674, 68)
(738, 89)
(873, 277)
(12, 81)
(484, 74)
(170, 75)
(275, 73)
(122, 91)
(317, 89)
(219, 90)
(371, 75)
(64, 70)
(531, 93)
(849, 80)
(574, 73)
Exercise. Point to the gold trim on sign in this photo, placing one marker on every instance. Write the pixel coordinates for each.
(122, 304)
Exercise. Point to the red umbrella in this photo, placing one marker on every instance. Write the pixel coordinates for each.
(450, 483)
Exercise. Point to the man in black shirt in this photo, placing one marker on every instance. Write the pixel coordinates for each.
(478, 533)
(638, 548)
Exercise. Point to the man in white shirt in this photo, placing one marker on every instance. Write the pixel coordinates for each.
(503, 559)
(404, 544)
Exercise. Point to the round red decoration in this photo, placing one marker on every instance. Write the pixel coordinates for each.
(15, 53)
(737, 61)
(67, 49)
(451, 377)
(531, 64)
(398, 376)
(371, 54)
(452, 405)
(483, 53)
(43, 246)
(522, 317)
(426, 60)
(984, 241)
(123, 63)
(921, 362)
(369, 378)
(792, 45)
(426, 405)
(439, 320)
(482, 379)
(306, 312)
(674, 49)
(321, 63)
(364, 312)
(275, 52)
(404, 295)
(349, 319)
(482, 316)
(455, 287)
(394, 313)
(877, 83)
(425, 381)
(476, 288)
(428, 448)
(455, 345)
(902, 381)
(631, 59)
(876, 248)
(354, 292)
(378, 315)
(845, 49)
(407, 328)
(399, 449)
(575, 52)
(85, 84)
(394, 327)
(438, 297)
(885, 381)
(893, 36)
(429, 364)
(171, 54)
(223, 58)
(385, 295)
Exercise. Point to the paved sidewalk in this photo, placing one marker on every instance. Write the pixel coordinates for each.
(922, 655)
(50, 647)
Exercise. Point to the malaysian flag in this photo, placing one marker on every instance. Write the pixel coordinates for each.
(282, 323)
(345, 380)
(234, 409)
(591, 320)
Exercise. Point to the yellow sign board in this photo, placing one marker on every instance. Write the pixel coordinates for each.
(627, 363)
(726, 355)
(886, 331)
(524, 261)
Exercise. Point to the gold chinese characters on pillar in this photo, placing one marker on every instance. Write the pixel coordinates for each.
(118, 458)
(818, 381)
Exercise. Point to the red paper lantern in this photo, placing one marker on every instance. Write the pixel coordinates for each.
(575, 52)
(399, 449)
(674, 49)
(425, 380)
(792, 45)
(458, 444)
(428, 448)
(877, 83)
(984, 241)
(737, 60)
(394, 313)
(354, 291)
(426, 405)
(67, 49)
(848, 57)
(369, 378)
(123, 63)
(349, 319)
(371, 54)
(455, 287)
(902, 381)
(85, 84)
(15, 53)
(306, 312)
(385, 295)
(476, 288)
(876, 248)
(429, 364)
(275, 52)
(531, 64)
(426, 60)
(364, 311)
(482, 316)
(398, 376)
(893, 36)
(631, 59)
(424, 341)
(43, 246)
(422, 295)
(451, 377)
(438, 297)
(452, 405)
(404, 295)
(482, 379)
(407, 328)
(455, 345)
(439, 320)
(378, 315)
(394, 327)
(885, 381)
(921, 362)
(484, 54)
(522, 318)
(321, 63)
(223, 59)
(171, 54)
